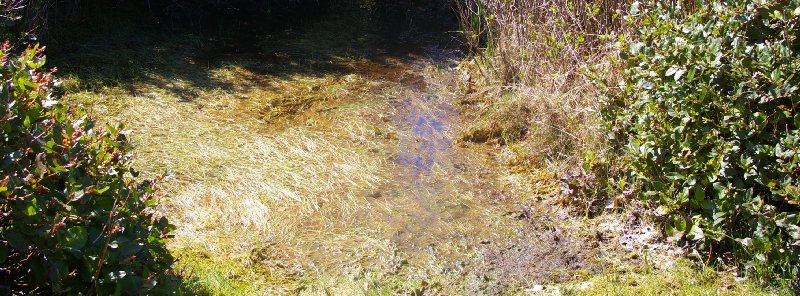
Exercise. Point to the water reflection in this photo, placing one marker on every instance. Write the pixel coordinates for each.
(428, 140)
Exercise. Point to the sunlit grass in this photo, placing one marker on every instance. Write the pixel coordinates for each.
(236, 187)
(681, 278)
(255, 198)
(273, 169)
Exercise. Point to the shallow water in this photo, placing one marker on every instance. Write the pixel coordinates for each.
(449, 209)
(286, 127)
(436, 217)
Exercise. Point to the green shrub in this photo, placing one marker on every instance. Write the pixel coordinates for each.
(708, 114)
(72, 217)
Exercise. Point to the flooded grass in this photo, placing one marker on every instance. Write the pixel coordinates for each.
(266, 165)
(312, 164)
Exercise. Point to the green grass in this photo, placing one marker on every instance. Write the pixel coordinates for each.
(683, 277)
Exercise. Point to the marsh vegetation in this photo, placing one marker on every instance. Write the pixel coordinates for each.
(386, 147)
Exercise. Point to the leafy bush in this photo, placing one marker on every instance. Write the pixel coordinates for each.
(708, 112)
(72, 217)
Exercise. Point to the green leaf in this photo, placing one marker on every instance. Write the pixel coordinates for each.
(33, 207)
(130, 248)
(75, 237)
(3, 253)
(77, 195)
(58, 169)
(675, 176)
(102, 189)
(131, 283)
(696, 233)
(17, 241)
(679, 223)
(50, 145)
(699, 195)
(679, 74)
(671, 71)
(776, 75)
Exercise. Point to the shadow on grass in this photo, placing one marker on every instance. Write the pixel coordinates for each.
(182, 61)
(185, 64)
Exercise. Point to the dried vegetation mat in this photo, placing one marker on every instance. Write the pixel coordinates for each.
(283, 167)
(265, 159)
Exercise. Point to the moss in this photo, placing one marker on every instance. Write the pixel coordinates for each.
(684, 278)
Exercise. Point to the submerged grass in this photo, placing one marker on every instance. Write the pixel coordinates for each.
(234, 188)
(281, 169)
(282, 159)
(265, 163)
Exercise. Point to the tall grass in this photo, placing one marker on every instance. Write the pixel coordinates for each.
(528, 38)
(538, 56)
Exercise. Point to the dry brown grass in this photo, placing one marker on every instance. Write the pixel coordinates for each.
(287, 183)
(558, 115)
(251, 196)
(535, 57)
(285, 179)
